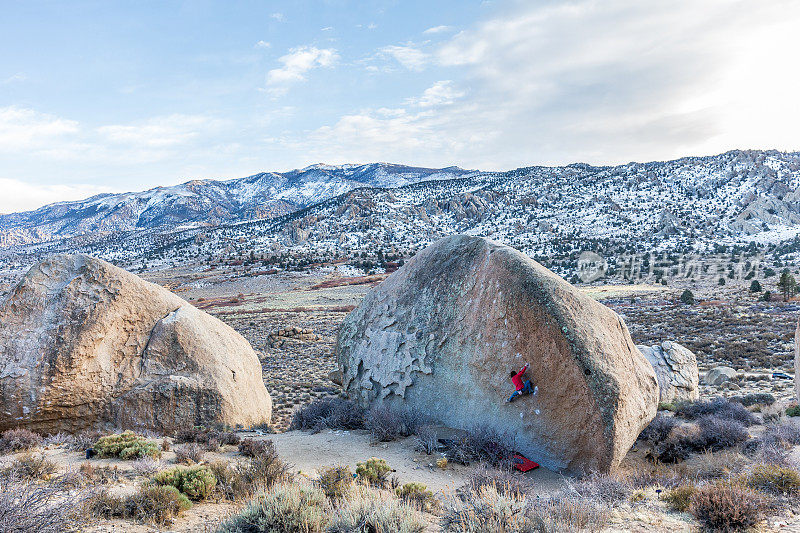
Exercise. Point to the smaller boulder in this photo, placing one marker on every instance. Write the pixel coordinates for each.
(676, 371)
(719, 375)
(335, 376)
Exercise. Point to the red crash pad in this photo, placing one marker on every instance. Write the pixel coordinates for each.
(523, 464)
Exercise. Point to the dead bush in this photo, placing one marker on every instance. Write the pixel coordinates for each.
(50, 507)
(207, 437)
(724, 506)
(31, 466)
(427, 439)
(774, 479)
(257, 448)
(718, 407)
(659, 429)
(241, 480)
(100, 475)
(603, 487)
(333, 413)
(19, 439)
(718, 433)
(503, 481)
(189, 454)
(679, 498)
(483, 444)
(150, 503)
(387, 424)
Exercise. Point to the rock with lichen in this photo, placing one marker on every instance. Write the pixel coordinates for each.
(442, 333)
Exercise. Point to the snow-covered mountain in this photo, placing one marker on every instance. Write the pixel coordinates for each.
(745, 200)
(207, 202)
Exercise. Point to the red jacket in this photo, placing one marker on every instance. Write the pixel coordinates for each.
(517, 378)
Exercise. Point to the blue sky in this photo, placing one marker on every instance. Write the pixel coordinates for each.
(112, 96)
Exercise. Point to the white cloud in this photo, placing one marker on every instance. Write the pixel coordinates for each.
(263, 44)
(14, 78)
(296, 64)
(438, 29)
(327, 28)
(408, 55)
(23, 128)
(21, 196)
(278, 16)
(440, 93)
(602, 82)
(158, 132)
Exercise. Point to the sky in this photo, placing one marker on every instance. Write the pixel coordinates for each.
(111, 95)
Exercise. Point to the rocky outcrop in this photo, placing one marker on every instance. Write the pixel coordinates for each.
(441, 334)
(676, 371)
(84, 344)
(719, 375)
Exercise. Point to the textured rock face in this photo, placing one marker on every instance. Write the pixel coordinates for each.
(676, 371)
(719, 375)
(84, 344)
(442, 333)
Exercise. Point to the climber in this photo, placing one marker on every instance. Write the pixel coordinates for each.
(525, 387)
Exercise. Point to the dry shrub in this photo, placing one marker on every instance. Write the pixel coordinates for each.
(150, 503)
(603, 487)
(654, 475)
(240, 480)
(51, 507)
(208, 437)
(375, 510)
(336, 481)
(387, 424)
(718, 407)
(30, 467)
(59, 439)
(100, 475)
(333, 413)
(659, 429)
(566, 513)
(257, 448)
(502, 481)
(774, 479)
(715, 465)
(84, 440)
(286, 507)
(679, 498)
(427, 439)
(146, 466)
(418, 495)
(724, 506)
(756, 398)
(490, 510)
(189, 454)
(710, 433)
(484, 444)
(774, 445)
(19, 439)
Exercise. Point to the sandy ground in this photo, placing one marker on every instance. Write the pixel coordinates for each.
(309, 452)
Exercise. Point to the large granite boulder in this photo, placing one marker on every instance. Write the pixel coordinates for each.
(719, 375)
(84, 344)
(441, 334)
(676, 371)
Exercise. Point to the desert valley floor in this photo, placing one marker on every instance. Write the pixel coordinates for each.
(291, 320)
